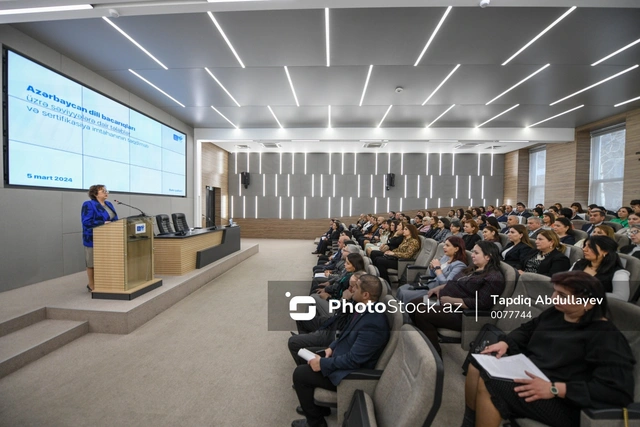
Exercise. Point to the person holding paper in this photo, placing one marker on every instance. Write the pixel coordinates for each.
(359, 346)
(587, 359)
(95, 212)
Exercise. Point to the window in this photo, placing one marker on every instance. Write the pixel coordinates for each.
(537, 170)
(607, 167)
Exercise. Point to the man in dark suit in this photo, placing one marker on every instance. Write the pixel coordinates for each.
(508, 210)
(511, 221)
(332, 262)
(596, 217)
(534, 224)
(521, 210)
(358, 347)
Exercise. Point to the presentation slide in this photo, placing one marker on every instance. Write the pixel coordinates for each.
(65, 135)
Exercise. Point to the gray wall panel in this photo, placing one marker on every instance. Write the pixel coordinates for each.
(414, 164)
(466, 164)
(366, 163)
(271, 163)
(72, 253)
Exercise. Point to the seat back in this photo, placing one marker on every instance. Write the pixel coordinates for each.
(626, 317)
(621, 240)
(164, 224)
(439, 251)
(578, 223)
(395, 323)
(409, 392)
(180, 222)
(574, 253)
(522, 220)
(579, 234)
(504, 239)
(616, 226)
(372, 269)
(530, 286)
(632, 265)
(510, 278)
(428, 248)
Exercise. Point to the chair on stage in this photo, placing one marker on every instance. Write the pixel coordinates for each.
(180, 222)
(164, 224)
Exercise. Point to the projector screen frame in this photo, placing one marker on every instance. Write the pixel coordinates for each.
(5, 131)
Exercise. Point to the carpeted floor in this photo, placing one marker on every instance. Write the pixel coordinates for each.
(207, 361)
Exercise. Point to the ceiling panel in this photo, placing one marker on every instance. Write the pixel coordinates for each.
(328, 85)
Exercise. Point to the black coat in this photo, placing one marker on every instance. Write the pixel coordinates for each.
(628, 248)
(517, 255)
(555, 262)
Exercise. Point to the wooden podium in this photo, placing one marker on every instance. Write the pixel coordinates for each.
(123, 259)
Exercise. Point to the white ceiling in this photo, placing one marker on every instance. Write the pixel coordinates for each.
(269, 35)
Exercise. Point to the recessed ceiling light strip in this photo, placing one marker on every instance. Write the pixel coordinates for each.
(440, 85)
(495, 117)
(46, 9)
(366, 83)
(596, 84)
(616, 52)
(557, 115)
(627, 101)
(385, 115)
(327, 38)
(433, 35)
(138, 45)
(156, 88)
(438, 118)
(274, 116)
(518, 84)
(224, 117)
(286, 70)
(564, 15)
(222, 86)
(224, 36)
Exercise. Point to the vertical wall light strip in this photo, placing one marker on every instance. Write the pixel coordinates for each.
(453, 164)
(479, 164)
(427, 172)
(329, 163)
(471, 202)
(440, 166)
(329, 116)
(350, 206)
(375, 205)
(491, 164)
(239, 187)
(305, 163)
(497, 202)
(469, 186)
(321, 184)
(389, 163)
(247, 162)
(334, 186)
(384, 186)
(276, 186)
(329, 208)
(235, 157)
(438, 202)
(293, 163)
(371, 187)
(341, 207)
(244, 207)
(313, 184)
(288, 185)
(418, 192)
(388, 205)
(279, 207)
(401, 204)
(451, 202)
(327, 38)
(358, 185)
(259, 162)
(484, 202)
(426, 205)
(355, 162)
(402, 164)
(405, 186)
(304, 207)
(376, 164)
(281, 163)
(292, 206)
(231, 207)
(342, 161)
(482, 191)
(264, 186)
(431, 187)
(456, 186)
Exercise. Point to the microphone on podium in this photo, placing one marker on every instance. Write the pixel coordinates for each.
(133, 207)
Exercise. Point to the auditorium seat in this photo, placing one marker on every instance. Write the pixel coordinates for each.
(578, 223)
(428, 251)
(621, 240)
(424, 257)
(164, 224)
(504, 240)
(409, 390)
(180, 222)
(632, 265)
(613, 225)
(627, 318)
(579, 234)
(352, 382)
(574, 253)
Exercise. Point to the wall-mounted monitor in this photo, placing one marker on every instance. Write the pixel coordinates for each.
(59, 133)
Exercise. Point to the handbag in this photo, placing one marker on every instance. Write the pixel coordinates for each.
(488, 334)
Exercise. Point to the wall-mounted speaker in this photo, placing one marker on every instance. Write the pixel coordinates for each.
(245, 179)
(391, 180)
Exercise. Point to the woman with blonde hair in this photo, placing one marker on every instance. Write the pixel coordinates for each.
(549, 258)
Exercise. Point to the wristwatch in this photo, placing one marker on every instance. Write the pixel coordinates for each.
(437, 267)
(554, 390)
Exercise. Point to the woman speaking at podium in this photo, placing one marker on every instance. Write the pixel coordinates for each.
(95, 212)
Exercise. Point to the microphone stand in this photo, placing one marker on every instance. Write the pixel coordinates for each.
(133, 207)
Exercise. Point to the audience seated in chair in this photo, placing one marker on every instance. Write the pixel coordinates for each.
(564, 230)
(491, 234)
(471, 236)
(359, 346)
(549, 258)
(408, 249)
(458, 294)
(599, 373)
(634, 248)
(519, 247)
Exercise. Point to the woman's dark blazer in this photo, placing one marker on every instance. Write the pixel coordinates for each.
(628, 248)
(555, 262)
(516, 256)
(470, 240)
(568, 240)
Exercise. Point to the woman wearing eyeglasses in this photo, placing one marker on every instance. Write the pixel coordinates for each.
(634, 248)
(95, 212)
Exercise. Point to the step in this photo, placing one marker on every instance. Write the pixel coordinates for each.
(28, 344)
(11, 325)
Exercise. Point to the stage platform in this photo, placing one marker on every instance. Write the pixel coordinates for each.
(39, 318)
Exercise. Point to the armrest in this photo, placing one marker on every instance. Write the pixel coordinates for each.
(364, 374)
(470, 327)
(612, 413)
(361, 379)
(417, 267)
